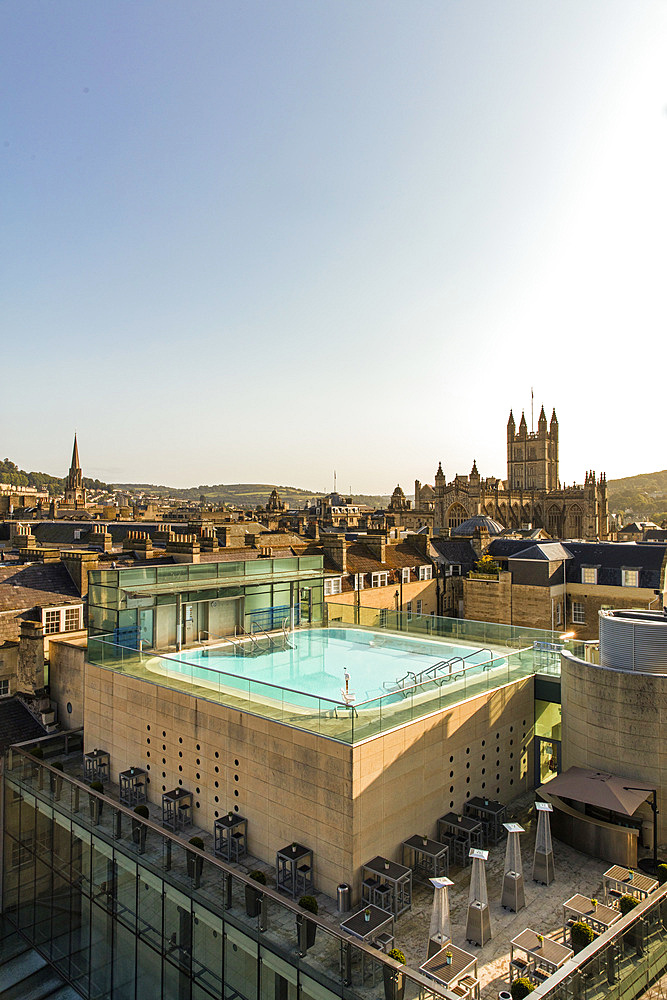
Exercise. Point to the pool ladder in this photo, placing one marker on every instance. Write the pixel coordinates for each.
(435, 673)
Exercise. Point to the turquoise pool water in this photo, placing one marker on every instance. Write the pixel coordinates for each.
(378, 663)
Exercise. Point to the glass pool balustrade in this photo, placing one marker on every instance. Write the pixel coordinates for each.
(335, 719)
(453, 630)
(121, 915)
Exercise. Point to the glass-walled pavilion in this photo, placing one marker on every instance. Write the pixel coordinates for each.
(177, 605)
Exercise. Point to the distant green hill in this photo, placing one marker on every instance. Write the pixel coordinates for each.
(643, 496)
(243, 494)
(10, 473)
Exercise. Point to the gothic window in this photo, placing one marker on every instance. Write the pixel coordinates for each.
(457, 515)
(552, 521)
(576, 521)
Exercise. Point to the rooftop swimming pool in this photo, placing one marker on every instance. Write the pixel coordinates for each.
(342, 665)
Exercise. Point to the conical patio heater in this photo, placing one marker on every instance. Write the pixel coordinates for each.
(514, 897)
(543, 862)
(478, 924)
(440, 931)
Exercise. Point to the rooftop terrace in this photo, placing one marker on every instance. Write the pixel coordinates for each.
(620, 964)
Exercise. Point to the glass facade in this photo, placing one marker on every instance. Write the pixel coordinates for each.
(124, 917)
(167, 606)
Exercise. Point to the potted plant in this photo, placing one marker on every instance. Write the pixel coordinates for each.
(627, 904)
(96, 805)
(424, 839)
(253, 897)
(521, 987)
(56, 779)
(394, 981)
(139, 829)
(194, 862)
(449, 955)
(306, 928)
(367, 914)
(581, 935)
(540, 938)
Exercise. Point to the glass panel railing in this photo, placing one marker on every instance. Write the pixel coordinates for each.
(458, 671)
(452, 629)
(141, 902)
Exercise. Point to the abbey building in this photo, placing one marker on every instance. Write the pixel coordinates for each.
(532, 493)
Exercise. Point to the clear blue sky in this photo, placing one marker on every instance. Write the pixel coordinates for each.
(248, 241)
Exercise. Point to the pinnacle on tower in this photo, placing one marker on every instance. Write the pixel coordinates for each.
(523, 426)
(542, 419)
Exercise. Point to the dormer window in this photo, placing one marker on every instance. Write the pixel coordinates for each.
(333, 586)
(425, 572)
(589, 574)
(379, 579)
(630, 577)
(405, 575)
(358, 581)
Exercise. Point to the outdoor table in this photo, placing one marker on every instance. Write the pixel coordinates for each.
(96, 765)
(599, 917)
(379, 925)
(294, 869)
(393, 885)
(491, 815)
(429, 858)
(177, 809)
(546, 954)
(463, 966)
(132, 786)
(230, 837)
(619, 881)
(463, 829)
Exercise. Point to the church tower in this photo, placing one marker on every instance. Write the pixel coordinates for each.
(532, 456)
(75, 494)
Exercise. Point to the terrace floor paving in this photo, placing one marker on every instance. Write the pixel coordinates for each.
(574, 872)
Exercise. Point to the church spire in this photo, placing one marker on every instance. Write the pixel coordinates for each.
(75, 478)
(75, 456)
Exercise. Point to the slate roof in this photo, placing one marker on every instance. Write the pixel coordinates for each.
(17, 724)
(504, 548)
(609, 557)
(612, 557)
(547, 551)
(25, 588)
(656, 535)
(447, 551)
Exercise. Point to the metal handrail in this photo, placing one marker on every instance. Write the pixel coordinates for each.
(253, 640)
(258, 628)
(223, 638)
(286, 634)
